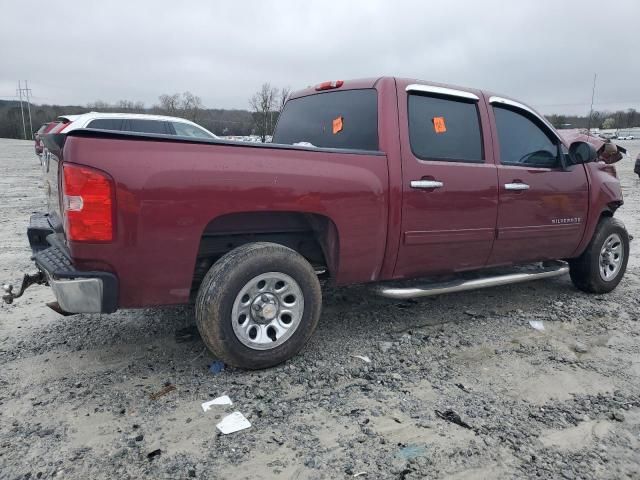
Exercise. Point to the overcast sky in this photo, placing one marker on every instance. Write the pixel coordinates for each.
(542, 52)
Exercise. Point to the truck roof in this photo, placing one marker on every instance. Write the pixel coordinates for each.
(403, 81)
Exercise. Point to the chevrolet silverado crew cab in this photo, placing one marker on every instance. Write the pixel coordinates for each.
(377, 180)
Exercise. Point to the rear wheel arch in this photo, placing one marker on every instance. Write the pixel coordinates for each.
(314, 236)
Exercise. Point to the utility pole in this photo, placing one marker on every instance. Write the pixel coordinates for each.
(28, 92)
(24, 128)
(593, 94)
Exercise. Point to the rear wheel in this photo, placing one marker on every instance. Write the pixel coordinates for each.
(258, 305)
(602, 265)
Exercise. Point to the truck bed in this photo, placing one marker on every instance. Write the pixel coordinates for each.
(176, 196)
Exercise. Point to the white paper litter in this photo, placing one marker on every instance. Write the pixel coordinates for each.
(223, 400)
(364, 358)
(233, 423)
(537, 324)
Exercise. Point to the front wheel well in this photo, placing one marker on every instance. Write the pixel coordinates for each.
(313, 236)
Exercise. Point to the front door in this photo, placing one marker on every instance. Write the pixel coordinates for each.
(543, 198)
(449, 183)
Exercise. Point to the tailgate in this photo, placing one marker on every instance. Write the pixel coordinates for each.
(51, 163)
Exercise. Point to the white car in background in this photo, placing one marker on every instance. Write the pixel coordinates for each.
(135, 122)
(628, 137)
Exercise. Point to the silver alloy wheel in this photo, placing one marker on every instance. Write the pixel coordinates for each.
(611, 257)
(267, 311)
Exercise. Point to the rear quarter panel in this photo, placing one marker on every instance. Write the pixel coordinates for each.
(167, 192)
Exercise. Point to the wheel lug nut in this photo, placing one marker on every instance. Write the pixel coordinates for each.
(264, 298)
(256, 307)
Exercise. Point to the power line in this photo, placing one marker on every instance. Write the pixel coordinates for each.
(24, 128)
(27, 93)
(593, 94)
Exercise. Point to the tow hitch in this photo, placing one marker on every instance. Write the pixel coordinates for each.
(27, 281)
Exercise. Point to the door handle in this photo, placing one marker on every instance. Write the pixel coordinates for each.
(426, 184)
(516, 186)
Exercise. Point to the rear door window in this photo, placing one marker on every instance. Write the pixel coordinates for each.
(444, 129)
(347, 119)
(524, 143)
(146, 126)
(106, 124)
(188, 130)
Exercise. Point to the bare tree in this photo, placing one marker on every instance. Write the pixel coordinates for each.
(191, 105)
(285, 93)
(98, 105)
(170, 103)
(263, 102)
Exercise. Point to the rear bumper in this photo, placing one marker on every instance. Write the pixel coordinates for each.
(76, 291)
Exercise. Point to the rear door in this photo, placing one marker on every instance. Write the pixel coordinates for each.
(449, 183)
(543, 198)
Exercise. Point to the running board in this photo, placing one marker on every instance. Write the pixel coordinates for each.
(548, 270)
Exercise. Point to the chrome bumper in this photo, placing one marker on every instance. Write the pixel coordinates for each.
(77, 291)
(80, 295)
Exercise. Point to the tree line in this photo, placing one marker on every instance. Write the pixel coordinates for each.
(607, 120)
(265, 106)
(186, 105)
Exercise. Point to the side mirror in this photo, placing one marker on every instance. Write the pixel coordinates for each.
(582, 152)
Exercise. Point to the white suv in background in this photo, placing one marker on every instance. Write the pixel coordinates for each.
(136, 122)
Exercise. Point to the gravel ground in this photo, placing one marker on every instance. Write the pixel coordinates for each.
(517, 402)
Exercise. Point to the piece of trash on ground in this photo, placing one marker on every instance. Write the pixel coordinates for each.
(359, 474)
(411, 451)
(233, 423)
(462, 387)
(223, 400)
(364, 358)
(216, 367)
(453, 417)
(156, 453)
(537, 324)
(162, 392)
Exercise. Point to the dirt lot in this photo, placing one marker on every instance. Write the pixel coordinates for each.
(559, 403)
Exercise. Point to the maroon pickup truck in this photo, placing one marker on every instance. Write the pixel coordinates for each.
(376, 180)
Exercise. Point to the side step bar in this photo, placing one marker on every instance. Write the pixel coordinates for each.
(548, 270)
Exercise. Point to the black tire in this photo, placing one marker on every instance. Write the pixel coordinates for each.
(585, 270)
(223, 283)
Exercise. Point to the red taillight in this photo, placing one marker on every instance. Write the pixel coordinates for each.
(329, 85)
(87, 204)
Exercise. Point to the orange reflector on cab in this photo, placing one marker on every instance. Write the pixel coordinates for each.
(337, 125)
(439, 125)
(329, 85)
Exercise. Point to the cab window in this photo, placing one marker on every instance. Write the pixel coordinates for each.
(339, 119)
(523, 142)
(444, 129)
